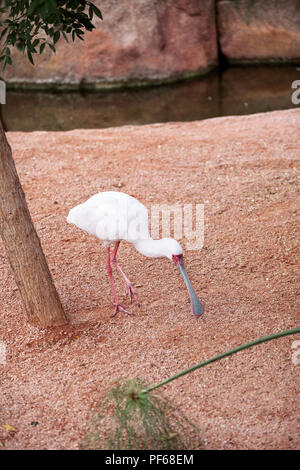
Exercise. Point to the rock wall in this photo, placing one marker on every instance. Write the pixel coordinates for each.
(139, 40)
(142, 41)
(259, 31)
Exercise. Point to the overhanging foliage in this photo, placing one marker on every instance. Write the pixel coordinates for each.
(31, 25)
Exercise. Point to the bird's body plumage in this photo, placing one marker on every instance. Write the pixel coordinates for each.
(114, 216)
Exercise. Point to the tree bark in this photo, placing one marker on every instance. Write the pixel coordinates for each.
(23, 247)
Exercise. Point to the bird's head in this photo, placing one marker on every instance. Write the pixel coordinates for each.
(171, 247)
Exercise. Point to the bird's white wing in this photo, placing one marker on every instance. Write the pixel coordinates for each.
(112, 216)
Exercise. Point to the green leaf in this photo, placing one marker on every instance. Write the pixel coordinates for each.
(35, 4)
(3, 32)
(29, 55)
(42, 47)
(52, 47)
(20, 46)
(65, 36)
(78, 34)
(56, 36)
(97, 11)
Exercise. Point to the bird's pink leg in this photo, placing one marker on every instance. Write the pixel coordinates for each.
(130, 289)
(118, 307)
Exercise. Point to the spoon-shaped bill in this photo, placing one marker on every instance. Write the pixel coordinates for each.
(197, 307)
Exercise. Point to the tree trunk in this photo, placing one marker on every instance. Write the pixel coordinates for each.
(23, 248)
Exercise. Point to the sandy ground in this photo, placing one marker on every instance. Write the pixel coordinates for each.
(244, 169)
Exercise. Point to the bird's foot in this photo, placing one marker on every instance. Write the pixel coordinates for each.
(120, 308)
(131, 292)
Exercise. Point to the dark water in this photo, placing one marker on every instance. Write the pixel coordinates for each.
(235, 91)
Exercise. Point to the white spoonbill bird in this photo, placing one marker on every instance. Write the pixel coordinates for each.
(114, 216)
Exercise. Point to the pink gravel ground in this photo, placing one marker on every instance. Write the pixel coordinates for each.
(244, 169)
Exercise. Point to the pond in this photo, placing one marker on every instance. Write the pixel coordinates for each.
(233, 91)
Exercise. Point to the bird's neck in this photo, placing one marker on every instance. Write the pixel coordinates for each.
(150, 248)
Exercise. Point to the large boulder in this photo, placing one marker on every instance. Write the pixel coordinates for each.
(138, 41)
(259, 31)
